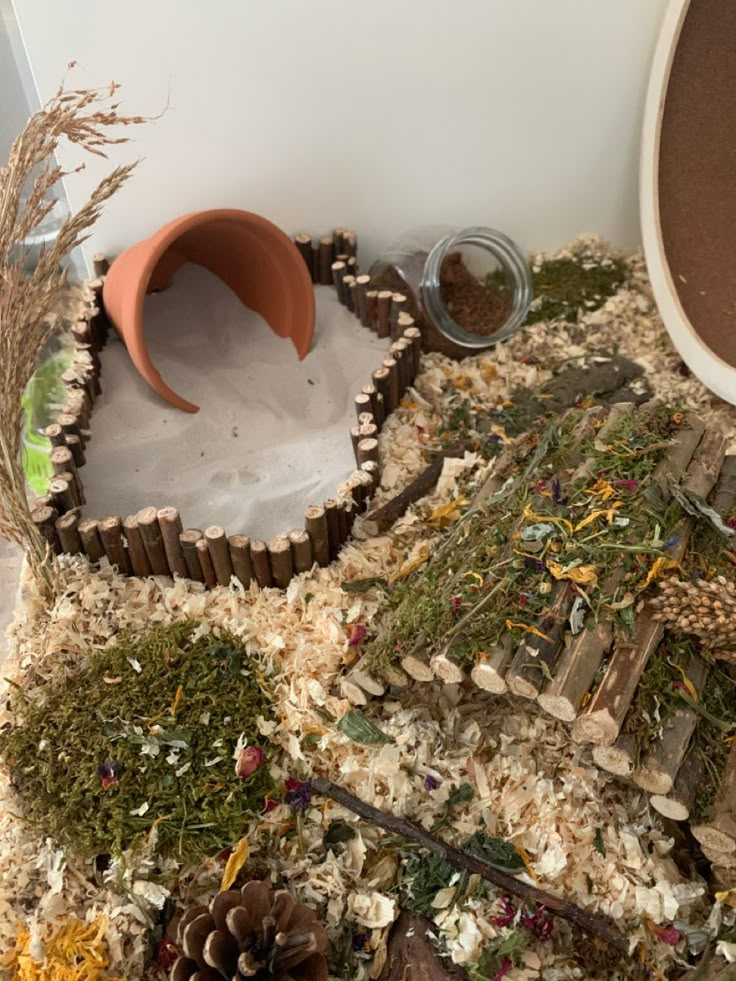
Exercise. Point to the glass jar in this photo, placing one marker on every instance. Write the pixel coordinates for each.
(467, 289)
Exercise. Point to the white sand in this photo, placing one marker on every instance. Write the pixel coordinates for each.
(272, 434)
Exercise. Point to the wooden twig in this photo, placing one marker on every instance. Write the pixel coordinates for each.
(380, 520)
(591, 923)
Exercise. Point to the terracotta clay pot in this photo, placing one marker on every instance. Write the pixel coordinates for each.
(259, 263)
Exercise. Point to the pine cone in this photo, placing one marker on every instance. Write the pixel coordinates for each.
(251, 933)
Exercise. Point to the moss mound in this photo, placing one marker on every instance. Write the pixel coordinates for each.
(143, 735)
(565, 287)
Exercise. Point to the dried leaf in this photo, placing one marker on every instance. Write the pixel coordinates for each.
(608, 513)
(511, 624)
(411, 565)
(441, 516)
(691, 689)
(535, 533)
(237, 860)
(583, 575)
(577, 615)
(562, 522)
(361, 730)
(598, 842)
(695, 506)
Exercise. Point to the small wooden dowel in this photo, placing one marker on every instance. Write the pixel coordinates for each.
(261, 563)
(301, 550)
(219, 553)
(326, 256)
(91, 542)
(303, 242)
(67, 528)
(62, 495)
(111, 534)
(398, 306)
(383, 313)
(333, 527)
(188, 540)
(376, 405)
(315, 520)
(44, 518)
(136, 549)
(339, 271)
(100, 264)
(169, 521)
(240, 557)
(55, 434)
(393, 383)
(205, 560)
(361, 297)
(362, 404)
(368, 450)
(382, 382)
(153, 541)
(74, 443)
(282, 561)
(371, 298)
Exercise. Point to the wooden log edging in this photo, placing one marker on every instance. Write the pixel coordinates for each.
(154, 541)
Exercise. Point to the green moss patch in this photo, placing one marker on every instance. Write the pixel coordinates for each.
(143, 735)
(567, 287)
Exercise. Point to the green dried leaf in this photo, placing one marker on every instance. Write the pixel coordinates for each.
(460, 795)
(506, 946)
(598, 842)
(535, 533)
(497, 852)
(363, 585)
(361, 730)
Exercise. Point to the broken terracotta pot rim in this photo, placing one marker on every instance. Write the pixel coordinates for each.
(268, 275)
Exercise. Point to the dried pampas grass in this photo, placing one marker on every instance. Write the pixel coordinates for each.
(83, 117)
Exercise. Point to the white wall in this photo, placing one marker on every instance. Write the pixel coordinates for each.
(522, 114)
(14, 101)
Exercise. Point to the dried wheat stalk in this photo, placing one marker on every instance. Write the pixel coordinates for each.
(27, 302)
(704, 609)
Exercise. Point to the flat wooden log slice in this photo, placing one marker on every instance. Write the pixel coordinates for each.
(412, 956)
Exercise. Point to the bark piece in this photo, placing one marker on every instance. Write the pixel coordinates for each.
(412, 956)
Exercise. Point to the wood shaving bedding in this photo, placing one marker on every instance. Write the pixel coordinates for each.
(531, 784)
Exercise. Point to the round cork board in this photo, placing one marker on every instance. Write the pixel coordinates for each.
(688, 186)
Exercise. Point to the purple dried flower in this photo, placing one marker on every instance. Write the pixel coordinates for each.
(430, 782)
(671, 542)
(506, 965)
(455, 604)
(356, 634)
(298, 794)
(108, 772)
(557, 491)
(507, 915)
(628, 483)
(731, 522)
(538, 923)
(534, 563)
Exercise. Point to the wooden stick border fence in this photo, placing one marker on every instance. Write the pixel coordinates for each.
(154, 541)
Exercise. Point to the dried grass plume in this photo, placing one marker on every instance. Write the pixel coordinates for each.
(91, 119)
